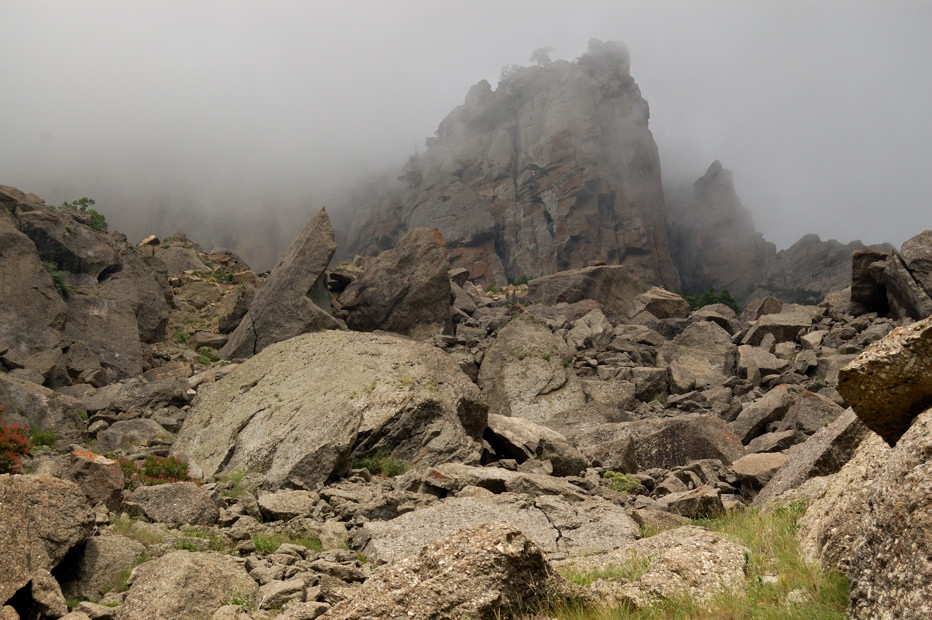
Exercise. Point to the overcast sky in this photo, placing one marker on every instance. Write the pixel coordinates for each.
(820, 108)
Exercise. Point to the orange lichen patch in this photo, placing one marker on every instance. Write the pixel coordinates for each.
(91, 456)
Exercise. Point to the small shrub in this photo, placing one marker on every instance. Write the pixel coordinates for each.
(205, 356)
(98, 221)
(235, 479)
(222, 276)
(623, 483)
(82, 414)
(14, 444)
(182, 337)
(545, 357)
(381, 464)
(41, 437)
(492, 289)
(710, 297)
(152, 470)
(58, 279)
(430, 387)
(522, 279)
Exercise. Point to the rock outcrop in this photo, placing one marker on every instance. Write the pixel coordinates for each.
(713, 239)
(553, 169)
(405, 290)
(294, 299)
(303, 410)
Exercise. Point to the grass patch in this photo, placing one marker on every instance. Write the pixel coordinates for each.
(235, 480)
(125, 526)
(382, 464)
(269, 542)
(623, 483)
(631, 570)
(39, 437)
(58, 279)
(780, 583)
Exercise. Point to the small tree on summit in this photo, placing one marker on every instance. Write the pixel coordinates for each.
(541, 56)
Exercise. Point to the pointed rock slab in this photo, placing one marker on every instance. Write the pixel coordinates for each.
(891, 382)
(305, 409)
(905, 296)
(294, 299)
(405, 290)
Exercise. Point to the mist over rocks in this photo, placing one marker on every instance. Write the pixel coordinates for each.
(553, 169)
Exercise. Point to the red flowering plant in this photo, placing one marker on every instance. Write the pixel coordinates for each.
(14, 444)
(152, 470)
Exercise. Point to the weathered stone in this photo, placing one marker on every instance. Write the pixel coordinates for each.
(42, 519)
(662, 304)
(783, 326)
(906, 298)
(33, 312)
(537, 177)
(665, 442)
(556, 524)
(917, 255)
(308, 407)
(614, 287)
(520, 439)
(97, 568)
(702, 502)
(109, 328)
(766, 363)
(874, 519)
(523, 375)
(771, 407)
(891, 382)
(754, 471)
(293, 300)
(284, 505)
(405, 290)
(700, 357)
(867, 286)
(178, 503)
(100, 478)
(774, 442)
(822, 454)
(809, 413)
(43, 408)
(47, 598)
(185, 584)
(488, 570)
(136, 432)
(685, 561)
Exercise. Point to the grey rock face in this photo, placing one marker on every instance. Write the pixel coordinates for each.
(98, 568)
(293, 300)
(713, 238)
(304, 409)
(890, 382)
(33, 311)
(521, 440)
(405, 290)
(552, 170)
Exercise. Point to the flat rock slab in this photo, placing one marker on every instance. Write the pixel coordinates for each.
(307, 408)
(558, 526)
(891, 382)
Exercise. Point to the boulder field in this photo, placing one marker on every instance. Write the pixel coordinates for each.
(451, 455)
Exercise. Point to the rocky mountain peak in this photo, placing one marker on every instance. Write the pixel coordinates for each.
(553, 169)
